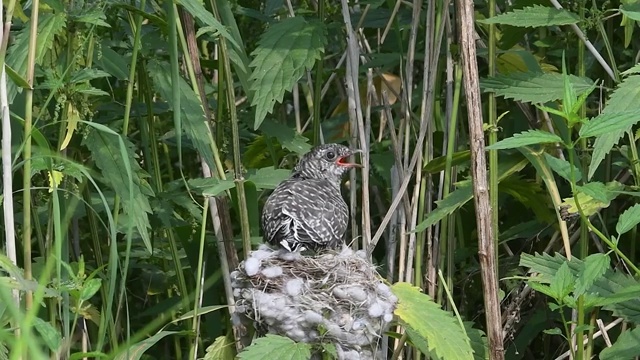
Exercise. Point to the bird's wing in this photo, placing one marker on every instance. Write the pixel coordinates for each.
(310, 212)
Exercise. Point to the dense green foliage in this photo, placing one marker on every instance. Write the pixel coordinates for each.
(142, 154)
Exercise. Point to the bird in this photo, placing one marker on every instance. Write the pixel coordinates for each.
(307, 211)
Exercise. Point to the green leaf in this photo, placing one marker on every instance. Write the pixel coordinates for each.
(268, 177)
(609, 122)
(563, 168)
(199, 12)
(600, 192)
(50, 335)
(594, 266)
(535, 16)
(193, 120)
(95, 16)
(554, 331)
(526, 138)
(533, 87)
(562, 282)
(87, 74)
(625, 98)
(276, 347)
(211, 186)
(455, 200)
(111, 62)
(285, 51)
(628, 220)
(110, 151)
(221, 349)
(438, 164)
(631, 10)
(626, 347)
(609, 285)
(287, 137)
(135, 351)
(49, 26)
(443, 333)
(90, 288)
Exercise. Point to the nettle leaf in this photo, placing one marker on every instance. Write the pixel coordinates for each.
(533, 87)
(625, 98)
(535, 16)
(608, 122)
(135, 351)
(562, 283)
(626, 347)
(198, 11)
(268, 177)
(108, 155)
(594, 266)
(628, 220)
(276, 347)
(287, 137)
(444, 335)
(87, 74)
(601, 192)
(222, 349)
(285, 51)
(563, 168)
(194, 122)
(525, 138)
(49, 26)
(455, 200)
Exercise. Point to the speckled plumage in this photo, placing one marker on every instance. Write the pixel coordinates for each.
(307, 211)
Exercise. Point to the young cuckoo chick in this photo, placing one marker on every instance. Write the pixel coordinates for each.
(307, 211)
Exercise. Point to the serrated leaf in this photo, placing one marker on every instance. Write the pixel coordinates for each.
(628, 220)
(609, 285)
(535, 16)
(526, 138)
(609, 122)
(533, 87)
(49, 26)
(444, 335)
(221, 349)
(600, 192)
(562, 283)
(594, 266)
(446, 206)
(286, 136)
(95, 16)
(193, 120)
(285, 51)
(625, 98)
(211, 186)
(276, 347)
(111, 62)
(268, 177)
(88, 74)
(563, 168)
(626, 347)
(110, 151)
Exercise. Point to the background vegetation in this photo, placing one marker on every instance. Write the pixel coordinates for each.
(140, 139)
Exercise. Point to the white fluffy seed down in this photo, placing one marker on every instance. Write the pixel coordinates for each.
(328, 298)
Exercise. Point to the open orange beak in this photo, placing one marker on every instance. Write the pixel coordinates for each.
(344, 161)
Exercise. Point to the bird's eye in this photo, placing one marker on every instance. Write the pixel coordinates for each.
(330, 155)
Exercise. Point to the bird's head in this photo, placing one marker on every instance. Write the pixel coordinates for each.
(328, 161)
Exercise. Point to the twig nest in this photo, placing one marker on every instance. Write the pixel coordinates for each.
(332, 297)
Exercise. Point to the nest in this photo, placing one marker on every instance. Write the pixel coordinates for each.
(336, 298)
